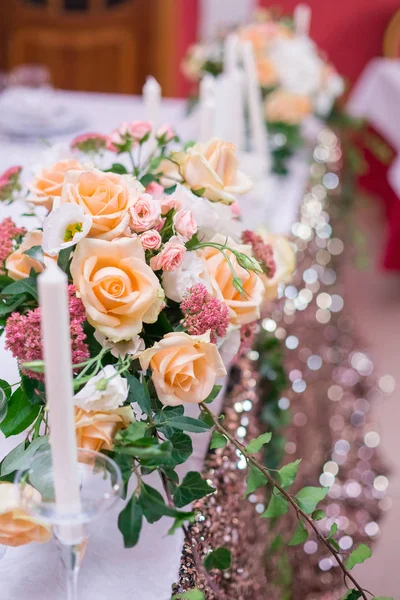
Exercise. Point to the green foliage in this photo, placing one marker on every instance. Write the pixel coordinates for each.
(182, 448)
(278, 506)
(255, 445)
(9, 305)
(214, 393)
(36, 253)
(118, 168)
(255, 479)
(193, 487)
(179, 521)
(190, 595)
(20, 414)
(220, 558)
(21, 456)
(130, 522)
(139, 392)
(318, 515)
(352, 595)
(358, 556)
(5, 386)
(177, 420)
(308, 498)
(218, 440)
(287, 474)
(33, 389)
(22, 286)
(300, 534)
(154, 507)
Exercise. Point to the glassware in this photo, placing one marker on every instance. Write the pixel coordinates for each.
(100, 488)
(3, 405)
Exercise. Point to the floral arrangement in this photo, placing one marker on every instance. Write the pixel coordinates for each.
(164, 290)
(295, 78)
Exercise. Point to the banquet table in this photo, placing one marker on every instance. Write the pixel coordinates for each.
(376, 98)
(148, 570)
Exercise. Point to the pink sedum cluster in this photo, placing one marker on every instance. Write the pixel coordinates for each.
(24, 341)
(202, 312)
(9, 232)
(9, 183)
(261, 251)
(90, 142)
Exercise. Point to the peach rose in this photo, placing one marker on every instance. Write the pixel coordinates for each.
(106, 197)
(16, 527)
(284, 106)
(145, 213)
(285, 260)
(49, 181)
(213, 167)
(267, 74)
(18, 264)
(185, 224)
(96, 430)
(184, 367)
(119, 290)
(242, 308)
(170, 257)
(151, 240)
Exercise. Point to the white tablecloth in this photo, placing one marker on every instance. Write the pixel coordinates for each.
(376, 97)
(148, 570)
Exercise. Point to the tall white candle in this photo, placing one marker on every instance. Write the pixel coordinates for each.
(231, 53)
(152, 101)
(302, 19)
(258, 133)
(207, 120)
(53, 298)
(207, 88)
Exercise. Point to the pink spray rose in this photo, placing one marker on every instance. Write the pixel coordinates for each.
(170, 257)
(145, 214)
(185, 224)
(151, 240)
(155, 189)
(168, 203)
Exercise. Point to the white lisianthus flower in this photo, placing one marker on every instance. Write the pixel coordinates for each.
(192, 271)
(298, 65)
(131, 347)
(105, 392)
(65, 226)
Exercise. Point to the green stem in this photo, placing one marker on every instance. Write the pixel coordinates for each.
(290, 499)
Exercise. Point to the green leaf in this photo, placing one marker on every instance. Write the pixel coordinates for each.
(20, 414)
(22, 286)
(20, 458)
(333, 530)
(220, 558)
(36, 253)
(309, 497)
(300, 534)
(218, 440)
(288, 473)
(33, 389)
(170, 190)
(334, 543)
(358, 556)
(147, 179)
(154, 507)
(130, 522)
(117, 168)
(135, 431)
(139, 392)
(5, 386)
(63, 258)
(318, 515)
(193, 487)
(276, 544)
(199, 192)
(188, 144)
(255, 479)
(278, 506)
(11, 304)
(182, 447)
(125, 464)
(213, 394)
(148, 450)
(179, 521)
(255, 445)
(180, 422)
(352, 595)
(190, 595)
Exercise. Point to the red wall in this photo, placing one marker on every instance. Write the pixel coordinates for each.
(350, 31)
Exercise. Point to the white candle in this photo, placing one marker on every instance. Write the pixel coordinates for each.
(231, 53)
(53, 297)
(207, 120)
(258, 133)
(152, 101)
(302, 19)
(207, 88)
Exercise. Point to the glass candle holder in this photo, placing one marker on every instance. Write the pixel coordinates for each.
(100, 487)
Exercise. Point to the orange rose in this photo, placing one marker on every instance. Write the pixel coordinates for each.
(184, 367)
(96, 430)
(119, 290)
(213, 167)
(18, 264)
(284, 106)
(16, 527)
(242, 308)
(49, 181)
(267, 74)
(106, 197)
